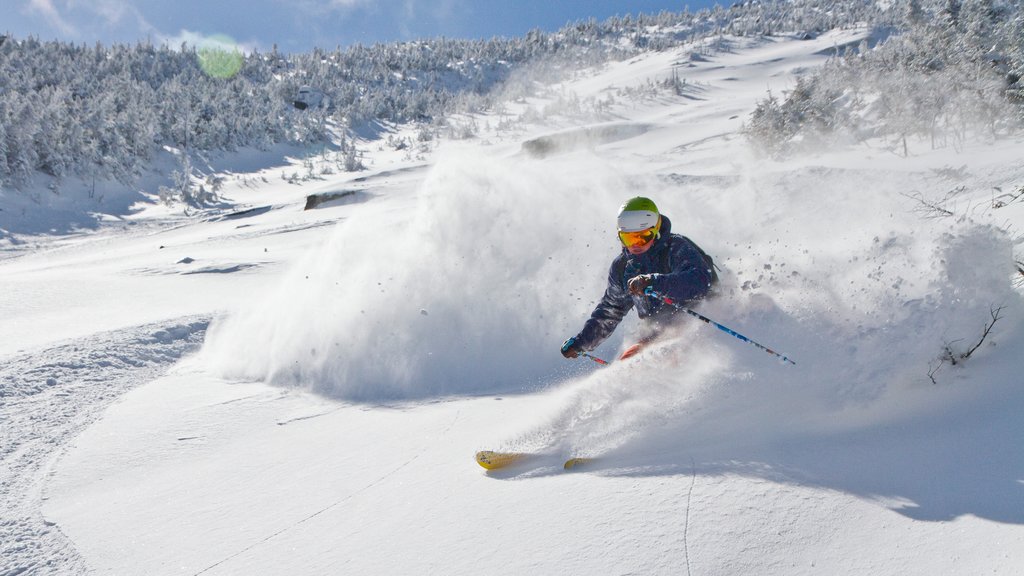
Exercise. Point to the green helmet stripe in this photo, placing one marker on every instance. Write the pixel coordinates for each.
(639, 203)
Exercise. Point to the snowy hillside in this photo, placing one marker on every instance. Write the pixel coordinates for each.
(264, 389)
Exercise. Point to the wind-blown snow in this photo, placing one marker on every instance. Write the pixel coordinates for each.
(328, 424)
(463, 292)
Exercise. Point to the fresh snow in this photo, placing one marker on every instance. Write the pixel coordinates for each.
(262, 389)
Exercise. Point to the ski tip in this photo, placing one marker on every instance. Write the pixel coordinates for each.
(491, 460)
(573, 463)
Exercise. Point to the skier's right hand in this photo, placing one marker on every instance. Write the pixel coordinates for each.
(570, 349)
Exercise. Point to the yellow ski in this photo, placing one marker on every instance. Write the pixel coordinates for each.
(574, 462)
(495, 460)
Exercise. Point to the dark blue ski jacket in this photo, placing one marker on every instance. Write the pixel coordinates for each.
(681, 270)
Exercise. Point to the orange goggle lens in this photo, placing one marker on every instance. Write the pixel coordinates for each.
(639, 238)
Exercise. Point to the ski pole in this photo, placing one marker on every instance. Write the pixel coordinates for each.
(594, 358)
(650, 291)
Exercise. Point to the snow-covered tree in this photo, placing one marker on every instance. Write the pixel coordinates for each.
(948, 75)
(104, 111)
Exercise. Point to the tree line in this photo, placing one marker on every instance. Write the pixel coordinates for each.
(103, 112)
(949, 71)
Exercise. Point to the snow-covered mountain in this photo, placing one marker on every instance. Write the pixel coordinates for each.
(264, 389)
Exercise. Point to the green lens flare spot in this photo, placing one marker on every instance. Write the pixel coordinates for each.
(219, 57)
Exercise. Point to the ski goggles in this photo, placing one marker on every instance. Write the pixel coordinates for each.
(638, 238)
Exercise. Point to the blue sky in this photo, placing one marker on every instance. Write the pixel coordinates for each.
(299, 25)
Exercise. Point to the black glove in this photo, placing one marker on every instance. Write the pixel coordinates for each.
(638, 284)
(570, 349)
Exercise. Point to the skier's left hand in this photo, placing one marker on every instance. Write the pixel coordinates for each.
(638, 284)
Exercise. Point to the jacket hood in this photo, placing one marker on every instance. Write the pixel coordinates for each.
(666, 227)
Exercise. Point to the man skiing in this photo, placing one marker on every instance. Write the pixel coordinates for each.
(670, 264)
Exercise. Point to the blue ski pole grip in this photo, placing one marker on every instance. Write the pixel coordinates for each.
(649, 291)
(568, 344)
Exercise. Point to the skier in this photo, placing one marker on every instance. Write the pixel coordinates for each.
(670, 264)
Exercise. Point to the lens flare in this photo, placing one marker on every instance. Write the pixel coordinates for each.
(219, 56)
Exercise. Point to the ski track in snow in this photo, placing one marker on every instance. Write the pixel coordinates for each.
(46, 398)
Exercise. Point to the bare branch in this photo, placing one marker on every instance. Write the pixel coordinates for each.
(988, 328)
(999, 202)
(930, 209)
(951, 356)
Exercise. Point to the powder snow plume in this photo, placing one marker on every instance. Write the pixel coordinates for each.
(500, 261)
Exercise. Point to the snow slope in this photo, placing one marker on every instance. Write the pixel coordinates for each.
(358, 354)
